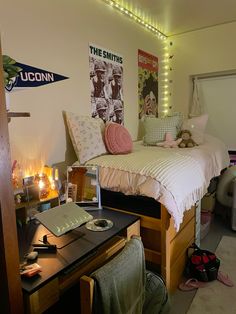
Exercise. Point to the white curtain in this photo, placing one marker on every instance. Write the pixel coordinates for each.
(196, 106)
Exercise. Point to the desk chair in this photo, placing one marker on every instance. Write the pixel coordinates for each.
(123, 285)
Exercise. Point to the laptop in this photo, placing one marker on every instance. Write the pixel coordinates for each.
(63, 218)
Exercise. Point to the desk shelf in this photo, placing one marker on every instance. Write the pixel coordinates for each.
(17, 115)
(22, 208)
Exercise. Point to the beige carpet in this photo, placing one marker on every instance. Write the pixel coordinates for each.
(217, 298)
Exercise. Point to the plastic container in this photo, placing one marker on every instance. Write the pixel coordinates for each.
(206, 219)
(208, 202)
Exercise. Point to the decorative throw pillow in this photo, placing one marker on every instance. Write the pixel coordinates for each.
(180, 119)
(156, 128)
(86, 136)
(196, 126)
(117, 139)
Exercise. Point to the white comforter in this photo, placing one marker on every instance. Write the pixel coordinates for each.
(175, 177)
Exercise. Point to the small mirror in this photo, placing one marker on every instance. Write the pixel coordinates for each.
(83, 187)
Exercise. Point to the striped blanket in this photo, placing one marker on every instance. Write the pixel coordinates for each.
(175, 177)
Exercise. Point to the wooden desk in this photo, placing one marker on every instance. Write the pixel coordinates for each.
(62, 270)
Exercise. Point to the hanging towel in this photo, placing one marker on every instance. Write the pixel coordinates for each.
(120, 284)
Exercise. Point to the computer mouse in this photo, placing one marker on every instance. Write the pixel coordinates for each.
(101, 223)
(31, 256)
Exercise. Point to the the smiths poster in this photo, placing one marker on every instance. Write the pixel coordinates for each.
(106, 84)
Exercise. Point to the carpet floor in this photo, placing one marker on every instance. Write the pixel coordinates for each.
(181, 301)
(216, 297)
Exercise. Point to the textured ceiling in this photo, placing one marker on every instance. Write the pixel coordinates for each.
(174, 17)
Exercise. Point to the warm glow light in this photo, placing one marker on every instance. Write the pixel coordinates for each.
(165, 98)
(41, 184)
(53, 186)
(56, 177)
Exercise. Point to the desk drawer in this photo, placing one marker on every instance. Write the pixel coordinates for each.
(42, 299)
(105, 253)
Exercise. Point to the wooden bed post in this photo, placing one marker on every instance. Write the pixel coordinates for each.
(174, 246)
(10, 282)
(165, 246)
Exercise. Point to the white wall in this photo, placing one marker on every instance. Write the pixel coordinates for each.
(54, 35)
(204, 51)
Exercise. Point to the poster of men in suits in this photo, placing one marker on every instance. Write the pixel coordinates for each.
(106, 84)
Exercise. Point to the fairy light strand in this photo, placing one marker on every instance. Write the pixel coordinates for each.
(166, 79)
(136, 18)
(165, 66)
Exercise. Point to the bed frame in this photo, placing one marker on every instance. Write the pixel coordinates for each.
(165, 249)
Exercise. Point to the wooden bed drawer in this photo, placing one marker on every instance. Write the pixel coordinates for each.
(153, 258)
(181, 241)
(151, 239)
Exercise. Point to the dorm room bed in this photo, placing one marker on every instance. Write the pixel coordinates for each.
(162, 186)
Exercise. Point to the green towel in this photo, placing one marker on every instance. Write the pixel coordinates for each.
(120, 284)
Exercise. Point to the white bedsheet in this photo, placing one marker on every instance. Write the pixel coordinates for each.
(175, 177)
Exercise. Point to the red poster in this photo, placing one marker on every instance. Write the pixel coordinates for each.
(147, 84)
(147, 61)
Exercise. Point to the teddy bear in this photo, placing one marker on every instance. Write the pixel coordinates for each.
(187, 140)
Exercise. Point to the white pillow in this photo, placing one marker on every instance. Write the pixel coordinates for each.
(196, 126)
(86, 136)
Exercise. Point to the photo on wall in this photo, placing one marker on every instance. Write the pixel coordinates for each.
(106, 84)
(147, 84)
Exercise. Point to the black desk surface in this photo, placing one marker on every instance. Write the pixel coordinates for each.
(71, 253)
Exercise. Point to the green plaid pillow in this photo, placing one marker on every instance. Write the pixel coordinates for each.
(156, 128)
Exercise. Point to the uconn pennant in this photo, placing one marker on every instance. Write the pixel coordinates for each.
(33, 77)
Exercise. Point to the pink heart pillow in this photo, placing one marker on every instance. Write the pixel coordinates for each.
(117, 139)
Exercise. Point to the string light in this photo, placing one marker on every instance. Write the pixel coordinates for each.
(165, 80)
(136, 18)
(165, 62)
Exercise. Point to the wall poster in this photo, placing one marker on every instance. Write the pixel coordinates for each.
(147, 84)
(106, 84)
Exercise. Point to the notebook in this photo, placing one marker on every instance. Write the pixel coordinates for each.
(63, 218)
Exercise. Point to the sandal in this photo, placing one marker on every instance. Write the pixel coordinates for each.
(191, 284)
(224, 278)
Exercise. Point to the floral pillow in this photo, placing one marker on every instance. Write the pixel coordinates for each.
(196, 126)
(156, 128)
(86, 136)
(117, 139)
